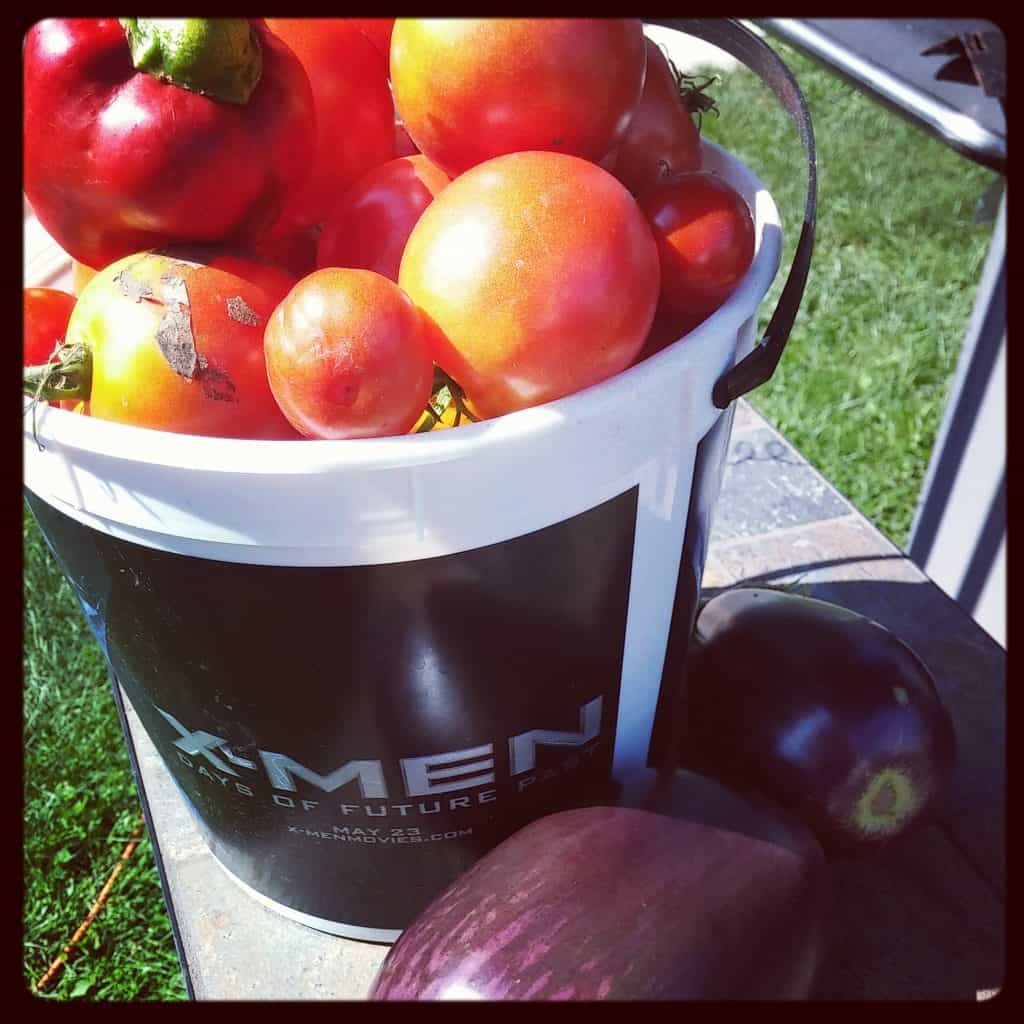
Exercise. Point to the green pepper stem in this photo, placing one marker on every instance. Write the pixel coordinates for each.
(217, 57)
(67, 376)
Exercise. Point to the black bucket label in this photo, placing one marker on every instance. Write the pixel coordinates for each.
(353, 738)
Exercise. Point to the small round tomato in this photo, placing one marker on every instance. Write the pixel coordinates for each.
(468, 89)
(539, 275)
(662, 138)
(354, 111)
(45, 315)
(175, 342)
(705, 237)
(369, 227)
(347, 356)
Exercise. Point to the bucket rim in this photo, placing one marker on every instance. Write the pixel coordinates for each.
(70, 431)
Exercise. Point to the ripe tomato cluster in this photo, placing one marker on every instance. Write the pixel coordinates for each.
(499, 213)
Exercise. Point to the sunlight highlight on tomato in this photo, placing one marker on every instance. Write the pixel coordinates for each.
(539, 275)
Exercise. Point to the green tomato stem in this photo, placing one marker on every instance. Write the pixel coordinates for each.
(67, 376)
(217, 57)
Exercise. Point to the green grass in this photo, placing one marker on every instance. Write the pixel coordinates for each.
(80, 810)
(860, 391)
(863, 382)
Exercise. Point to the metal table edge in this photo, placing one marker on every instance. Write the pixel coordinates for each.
(958, 131)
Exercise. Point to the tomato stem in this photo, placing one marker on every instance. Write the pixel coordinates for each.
(437, 404)
(461, 409)
(691, 91)
(68, 374)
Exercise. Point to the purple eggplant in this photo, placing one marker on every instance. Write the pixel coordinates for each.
(818, 709)
(622, 903)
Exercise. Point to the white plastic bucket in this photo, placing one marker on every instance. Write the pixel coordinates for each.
(619, 460)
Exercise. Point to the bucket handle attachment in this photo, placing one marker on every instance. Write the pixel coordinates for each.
(729, 35)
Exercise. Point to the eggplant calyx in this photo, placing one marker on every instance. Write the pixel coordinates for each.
(888, 801)
(216, 57)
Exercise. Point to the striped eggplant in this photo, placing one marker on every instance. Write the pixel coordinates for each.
(719, 901)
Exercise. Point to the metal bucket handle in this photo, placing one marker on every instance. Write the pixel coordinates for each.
(729, 35)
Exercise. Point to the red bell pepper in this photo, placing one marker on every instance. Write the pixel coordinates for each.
(141, 133)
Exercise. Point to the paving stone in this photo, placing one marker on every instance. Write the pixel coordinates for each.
(767, 484)
(746, 418)
(814, 552)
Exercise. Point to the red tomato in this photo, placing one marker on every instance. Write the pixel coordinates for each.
(662, 137)
(347, 356)
(269, 276)
(291, 247)
(354, 110)
(45, 315)
(46, 312)
(540, 275)
(378, 31)
(176, 343)
(705, 238)
(369, 227)
(468, 89)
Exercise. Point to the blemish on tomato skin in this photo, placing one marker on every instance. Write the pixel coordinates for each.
(217, 385)
(131, 287)
(176, 342)
(342, 393)
(241, 312)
